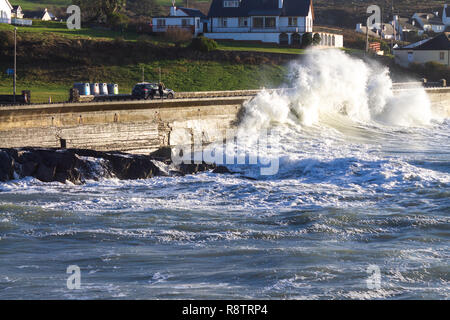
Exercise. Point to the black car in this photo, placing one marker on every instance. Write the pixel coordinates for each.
(147, 90)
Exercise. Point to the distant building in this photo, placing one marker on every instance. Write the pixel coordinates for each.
(17, 12)
(429, 21)
(404, 26)
(43, 15)
(5, 11)
(189, 19)
(435, 49)
(446, 15)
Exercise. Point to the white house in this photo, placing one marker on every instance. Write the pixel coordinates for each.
(179, 17)
(429, 21)
(17, 12)
(275, 21)
(5, 11)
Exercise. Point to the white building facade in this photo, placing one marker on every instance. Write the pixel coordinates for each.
(273, 21)
(5, 11)
(182, 18)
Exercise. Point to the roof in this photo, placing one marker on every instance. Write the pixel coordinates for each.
(406, 23)
(16, 7)
(429, 18)
(447, 11)
(441, 42)
(291, 8)
(192, 12)
(9, 4)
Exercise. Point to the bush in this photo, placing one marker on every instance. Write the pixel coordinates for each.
(307, 39)
(118, 21)
(6, 39)
(433, 71)
(203, 44)
(178, 35)
(317, 39)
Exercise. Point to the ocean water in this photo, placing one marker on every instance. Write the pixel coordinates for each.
(363, 184)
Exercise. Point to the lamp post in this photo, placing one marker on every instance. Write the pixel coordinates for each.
(15, 65)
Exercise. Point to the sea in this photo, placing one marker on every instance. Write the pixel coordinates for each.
(356, 206)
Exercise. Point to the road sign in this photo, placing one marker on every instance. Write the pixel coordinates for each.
(10, 72)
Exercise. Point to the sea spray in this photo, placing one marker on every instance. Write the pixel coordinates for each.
(330, 84)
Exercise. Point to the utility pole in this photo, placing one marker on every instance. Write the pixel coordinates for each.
(367, 36)
(159, 74)
(15, 65)
(143, 74)
(392, 39)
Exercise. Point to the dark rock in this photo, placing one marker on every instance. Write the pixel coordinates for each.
(221, 170)
(162, 154)
(45, 173)
(28, 169)
(6, 166)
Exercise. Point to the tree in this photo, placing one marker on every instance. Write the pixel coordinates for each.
(95, 10)
(307, 39)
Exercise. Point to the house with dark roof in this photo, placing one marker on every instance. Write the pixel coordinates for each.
(276, 21)
(435, 49)
(17, 12)
(429, 21)
(189, 19)
(5, 11)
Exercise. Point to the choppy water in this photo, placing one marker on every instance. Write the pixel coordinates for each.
(352, 191)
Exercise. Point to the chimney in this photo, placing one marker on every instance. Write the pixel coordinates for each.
(280, 4)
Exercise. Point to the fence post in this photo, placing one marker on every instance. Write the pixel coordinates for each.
(443, 82)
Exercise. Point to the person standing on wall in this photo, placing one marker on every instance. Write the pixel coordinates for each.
(161, 90)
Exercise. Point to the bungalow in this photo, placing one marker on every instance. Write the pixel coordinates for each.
(182, 18)
(436, 49)
(5, 11)
(275, 21)
(17, 12)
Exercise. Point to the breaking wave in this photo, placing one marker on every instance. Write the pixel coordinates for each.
(330, 86)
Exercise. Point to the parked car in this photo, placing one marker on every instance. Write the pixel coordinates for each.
(147, 90)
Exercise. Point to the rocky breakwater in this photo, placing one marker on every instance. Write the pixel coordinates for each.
(77, 166)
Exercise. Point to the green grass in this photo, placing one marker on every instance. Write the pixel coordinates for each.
(35, 4)
(256, 47)
(180, 75)
(40, 28)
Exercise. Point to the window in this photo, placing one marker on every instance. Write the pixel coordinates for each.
(258, 22)
(231, 4)
(270, 22)
(264, 22)
(184, 22)
(161, 22)
(292, 22)
(441, 55)
(243, 22)
(223, 22)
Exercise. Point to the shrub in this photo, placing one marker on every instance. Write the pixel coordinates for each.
(118, 21)
(6, 39)
(203, 44)
(307, 39)
(178, 35)
(317, 39)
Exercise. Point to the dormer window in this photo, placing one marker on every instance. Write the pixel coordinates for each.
(231, 4)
